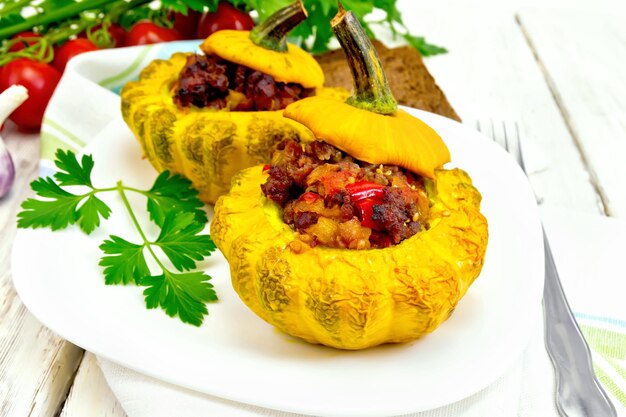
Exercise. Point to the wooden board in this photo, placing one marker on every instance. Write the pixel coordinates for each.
(90, 394)
(490, 75)
(36, 367)
(586, 71)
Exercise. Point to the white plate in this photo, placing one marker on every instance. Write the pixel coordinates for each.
(237, 356)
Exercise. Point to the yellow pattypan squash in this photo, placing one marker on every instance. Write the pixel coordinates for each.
(209, 146)
(354, 299)
(351, 299)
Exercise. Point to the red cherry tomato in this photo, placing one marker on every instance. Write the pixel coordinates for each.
(20, 45)
(117, 33)
(225, 17)
(146, 32)
(69, 50)
(40, 80)
(186, 25)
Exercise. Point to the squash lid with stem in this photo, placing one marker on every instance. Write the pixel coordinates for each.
(266, 49)
(368, 125)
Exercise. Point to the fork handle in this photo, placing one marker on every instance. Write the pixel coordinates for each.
(578, 391)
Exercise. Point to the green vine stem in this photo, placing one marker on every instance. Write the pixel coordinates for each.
(371, 89)
(40, 49)
(100, 36)
(272, 33)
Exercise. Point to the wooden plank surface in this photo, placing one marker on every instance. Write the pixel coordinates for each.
(490, 73)
(36, 367)
(584, 56)
(90, 394)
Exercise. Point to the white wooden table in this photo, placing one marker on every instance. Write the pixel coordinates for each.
(558, 71)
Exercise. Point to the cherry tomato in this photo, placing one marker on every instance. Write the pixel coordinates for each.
(117, 33)
(20, 45)
(186, 25)
(40, 80)
(69, 50)
(146, 32)
(225, 17)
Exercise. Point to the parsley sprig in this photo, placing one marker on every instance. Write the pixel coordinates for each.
(172, 205)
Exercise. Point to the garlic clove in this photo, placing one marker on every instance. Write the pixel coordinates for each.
(7, 170)
(10, 99)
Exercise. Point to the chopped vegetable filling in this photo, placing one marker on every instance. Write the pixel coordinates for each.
(333, 200)
(213, 82)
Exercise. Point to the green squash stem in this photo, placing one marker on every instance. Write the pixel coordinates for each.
(371, 89)
(272, 33)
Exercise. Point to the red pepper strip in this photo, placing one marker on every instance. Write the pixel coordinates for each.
(365, 211)
(266, 167)
(309, 197)
(365, 189)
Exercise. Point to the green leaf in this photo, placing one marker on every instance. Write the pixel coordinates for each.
(198, 5)
(183, 6)
(71, 172)
(124, 263)
(359, 7)
(128, 19)
(89, 213)
(317, 24)
(59, 208)
(180, 241)
(56, 213)
(173, 193)
(389, 6)
(266, 7)
(11, 20)
(424, 48)
(183, 295)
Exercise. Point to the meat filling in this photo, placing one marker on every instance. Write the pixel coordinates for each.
(210, 81)
(333, 200)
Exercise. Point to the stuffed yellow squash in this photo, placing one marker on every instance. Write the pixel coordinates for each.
(360, 237)
(209, 116)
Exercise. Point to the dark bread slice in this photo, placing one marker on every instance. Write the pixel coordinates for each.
(411, 83)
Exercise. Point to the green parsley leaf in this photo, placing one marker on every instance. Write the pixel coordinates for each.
(61, 208)
(56, 213)
(359, 7)
(389, 6)
(89, 213)
(173, 193)
(184, 294)
(71, 172)
(124, 263)
(180, 241)
(424, 48)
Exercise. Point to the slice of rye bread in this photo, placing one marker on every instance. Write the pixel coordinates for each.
(411, 83)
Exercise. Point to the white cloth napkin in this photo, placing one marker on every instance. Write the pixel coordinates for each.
(587, 250)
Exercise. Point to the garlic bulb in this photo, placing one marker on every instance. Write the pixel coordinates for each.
(10, 99)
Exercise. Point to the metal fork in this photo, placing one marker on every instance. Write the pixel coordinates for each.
(578, 391)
